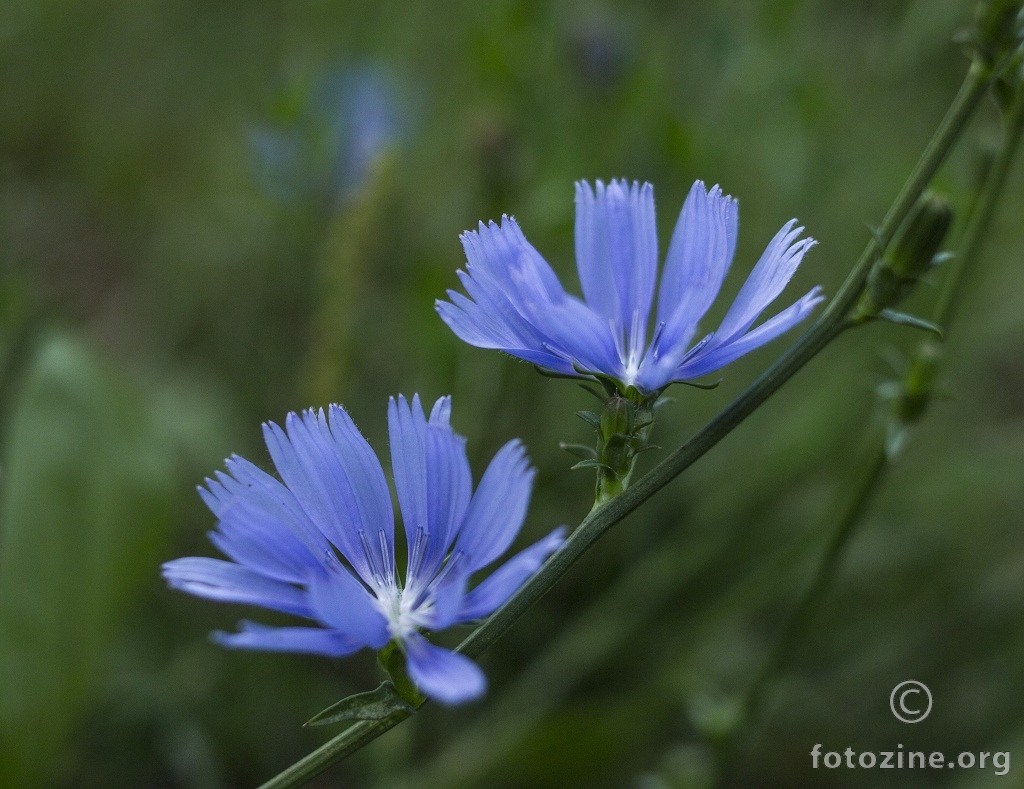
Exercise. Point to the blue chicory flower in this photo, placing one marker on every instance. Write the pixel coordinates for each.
(515, 302)
(321, 545)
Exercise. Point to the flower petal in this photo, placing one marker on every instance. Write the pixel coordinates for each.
(373, 498)
(516, 304)
(432, 478)
(503, 582)
(769, 277)
(447, 596)
(493, 315)
(339, 601)
(339, 483)
(306, 640)
(251, 543)
(228, 582)
(406, 428)
(261, 525)
(498, 508)
(449, 488)
(441, 674)
(720, 355)
(702, 247)
(479, 327)
(617, 249)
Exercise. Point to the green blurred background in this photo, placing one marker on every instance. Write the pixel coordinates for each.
(214, 213)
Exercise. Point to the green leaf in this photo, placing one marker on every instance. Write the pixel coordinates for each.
(904, 319)
(85, 499)
(373, 705)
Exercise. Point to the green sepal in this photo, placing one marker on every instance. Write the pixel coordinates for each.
(579, 450)
(552, 374)
(905, 319)
(392, 659)
(611, 386)
(591, 418)
(592, 464)
(910, 257)
(696, 385)
(373, 705)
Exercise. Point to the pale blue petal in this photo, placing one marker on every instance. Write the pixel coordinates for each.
(315, 465)
(227, 582)
(501, 266)
(449, 488)
(767, 280)
(447, 597)
(304, 640)
(372, 496)
(475, 326)
(503, 582)
(244, 537)
(341, 602)
(498, 508)
(617, 249)
(441, 674)
(581, 337)
(531, 265)
(699, 254)
(657, 373)
(516, 304)
(441, 412)
(406, 431)
(432, 478)
(251, 484)
(262, 527)
(721, 355)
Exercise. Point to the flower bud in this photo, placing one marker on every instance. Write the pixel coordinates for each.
(919, 384)
(912, 255)
(617, 417)
(998, 28)
(923, 234)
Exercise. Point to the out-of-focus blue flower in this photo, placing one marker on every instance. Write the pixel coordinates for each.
(325, 135)
(516, 304)
(322, 546)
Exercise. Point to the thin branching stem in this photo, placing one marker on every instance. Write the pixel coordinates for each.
(981, 220)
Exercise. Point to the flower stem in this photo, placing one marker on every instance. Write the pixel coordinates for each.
(981, 221)
(829, 325)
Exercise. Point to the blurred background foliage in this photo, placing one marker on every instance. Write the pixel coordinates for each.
(214, 213)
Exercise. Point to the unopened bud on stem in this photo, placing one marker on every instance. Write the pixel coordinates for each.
(912, 255)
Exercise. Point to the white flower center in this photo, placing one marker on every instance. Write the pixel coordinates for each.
(397, 605)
